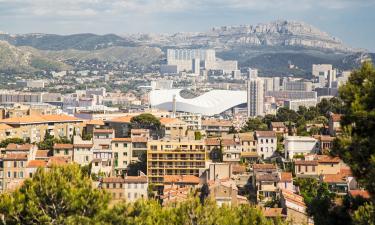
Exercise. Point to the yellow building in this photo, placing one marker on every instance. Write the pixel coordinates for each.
(35, 127)
(174, 128)
(174, 157)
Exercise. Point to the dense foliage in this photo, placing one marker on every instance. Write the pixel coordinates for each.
(64, 195)
(145, 121)
(356, 146)
(4, 143)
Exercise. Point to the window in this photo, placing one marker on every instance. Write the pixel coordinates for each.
(31, 175)
(120, 185)
(9, 174)
(307, 168)
(135, 186)
(15, 164)
(107, 185)
(96, 164)
(261, 149)
(129, 195)
(299, 168)
(313, 168)
(154, 147)
(116, 145)
(66, 152)
(125, 145)
(57, 151)
(86, 158)
(261, 140)
(21, 164)
(125, 154)
(267, 141)
(125, 163)
(129, 185)
(15, 174)
(21, 174)
(271, 140)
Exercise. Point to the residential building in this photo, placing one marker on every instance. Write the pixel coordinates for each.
(255, 97)
(83, 151)
(299, 145)
(325, 143)
(180, 181)
(286, 181)
(216, 127)
(279, 128)
(295, 104)
(231, 150)
(334, 124)
(174, 157)
(173, 128)
(295, 208)
(266, 143)
(122, 150)
(63, 150)
(316, 165)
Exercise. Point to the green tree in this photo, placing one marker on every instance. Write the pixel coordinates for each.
(145, 121)
(253, 124)
(54, 197)
(197, 135)
(4, 143)
(356, 146)
(140, 165)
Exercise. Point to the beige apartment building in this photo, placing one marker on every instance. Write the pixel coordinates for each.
(174, 157)
(35, 127)
(174, 128)
(122, 149)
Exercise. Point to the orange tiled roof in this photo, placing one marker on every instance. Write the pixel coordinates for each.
(228, 142)
(165, 121)
(265, 133)
(212, 141)
(94, 122)
(278, 125)
(327, 159)
(363, 193)
(181, 179)
(121, 139)
(306, 162)
(62, 146)
(286, 177)
(41, 154)
(58, 161)
(122, 119)
(238, 168)
(290, 196)
(334, 178)
(4, 126)
(112, 180)
(37, 163)
(40, 119)
(18, 147)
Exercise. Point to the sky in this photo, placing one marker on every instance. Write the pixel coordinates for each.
(352, 21)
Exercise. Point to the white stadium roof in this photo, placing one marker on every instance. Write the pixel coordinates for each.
(209, 103)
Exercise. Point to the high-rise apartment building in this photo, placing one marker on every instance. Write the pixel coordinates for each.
(255, 94)
(184, 58)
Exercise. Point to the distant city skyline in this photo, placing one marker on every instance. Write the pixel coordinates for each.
(350, 21)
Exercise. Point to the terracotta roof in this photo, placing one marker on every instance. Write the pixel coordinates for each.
(37, 163)
(238, 168)
(249, 154)
(113, 180)
(41, 154)
(267, 177)
(94, 122)
(286, 177)
(327, 159)
(165, 121)
(5, 127)
(292, 197)
(103, 131)
(278, 125)
(249, 136)
(265, 133)
(40, 119)
(121, 140)
(346, 171)
(273, 212)
(325, 138)
(306, 162)
(212, 141)
(122, 119)
(264, 166)
(181, 179)
(58, 161)
(83, 145)
(62, 146)
(362, 193)
(135, 179)
(18, 147)
(139, 139)
(336, 117)
(228, 142)
(215, 122)
(334, 178)
(15, 156)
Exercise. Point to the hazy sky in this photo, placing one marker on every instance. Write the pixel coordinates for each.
(352, 21)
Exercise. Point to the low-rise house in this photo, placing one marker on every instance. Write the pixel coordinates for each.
(248, 142)
(63, 150)
(325, 143)
(83, 152)
(180, 181)
(334, 124)
(226, 192)
(216, 127)
(279, 128)
(295, 208)
(266, 185)
(299, 146)
(286, 181)
(231, 151)
(266, 143)
(316, 165)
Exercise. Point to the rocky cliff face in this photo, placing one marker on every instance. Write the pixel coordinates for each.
(278, 33)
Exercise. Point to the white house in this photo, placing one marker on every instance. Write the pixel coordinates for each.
(299, 145)
(266, 143)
